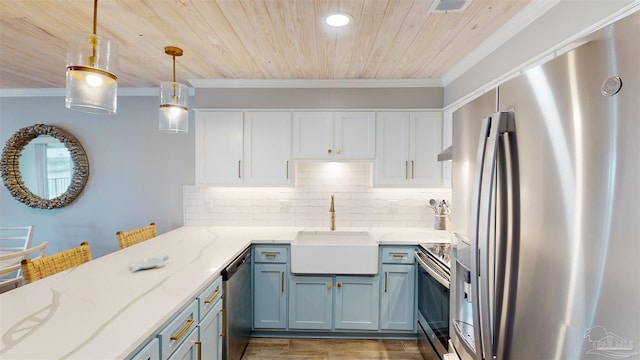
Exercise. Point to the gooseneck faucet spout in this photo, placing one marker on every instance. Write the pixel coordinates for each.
(332, 210)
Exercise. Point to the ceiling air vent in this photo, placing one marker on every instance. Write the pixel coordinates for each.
(448, 5)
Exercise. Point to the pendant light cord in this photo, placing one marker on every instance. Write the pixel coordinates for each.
(174, 66)
(95, 17)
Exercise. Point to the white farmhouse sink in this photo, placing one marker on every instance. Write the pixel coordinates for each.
(334, 252)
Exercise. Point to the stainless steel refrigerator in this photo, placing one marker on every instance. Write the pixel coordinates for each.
(546, 208)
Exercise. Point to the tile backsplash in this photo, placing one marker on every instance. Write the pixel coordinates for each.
(357, 202)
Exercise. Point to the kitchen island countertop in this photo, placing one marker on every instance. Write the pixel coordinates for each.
(101, 310)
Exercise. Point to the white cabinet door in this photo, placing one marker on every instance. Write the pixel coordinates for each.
(425, 142)
(312, 135)
(234, 148)
(354, 135)
(392, 160)
(407, 147)
(267, 148)
(219, 147)
(348, 135)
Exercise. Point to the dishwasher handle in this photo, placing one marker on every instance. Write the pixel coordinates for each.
(244, 259)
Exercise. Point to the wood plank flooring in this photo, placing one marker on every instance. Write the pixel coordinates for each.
(331, 349)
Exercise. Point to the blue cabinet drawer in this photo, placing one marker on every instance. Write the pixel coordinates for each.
(151, 351)
(398, 254)
(174, 334)
(271, 253)
(208, 297)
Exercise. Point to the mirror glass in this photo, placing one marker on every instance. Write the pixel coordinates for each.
(46, 167)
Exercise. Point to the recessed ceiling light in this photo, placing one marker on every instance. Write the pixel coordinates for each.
(337, 19)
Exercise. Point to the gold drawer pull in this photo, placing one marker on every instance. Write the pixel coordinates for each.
(398, 256)
(184, 330)
(213, 297)
(199, 343)
(270, 255)
(328, 286)
(224, 323)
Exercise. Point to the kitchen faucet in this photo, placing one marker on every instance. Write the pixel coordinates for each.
(332, 210)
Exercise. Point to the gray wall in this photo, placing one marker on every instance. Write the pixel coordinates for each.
(319, 98)
(136, 172)
(565, 20)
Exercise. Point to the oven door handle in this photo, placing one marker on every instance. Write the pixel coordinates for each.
(433, 273)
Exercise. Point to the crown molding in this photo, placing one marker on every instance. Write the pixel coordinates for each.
(44, 92)
(519, 22)
(314, 83)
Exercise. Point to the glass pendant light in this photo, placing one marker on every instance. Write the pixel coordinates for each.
(174, 101)
(92, 61)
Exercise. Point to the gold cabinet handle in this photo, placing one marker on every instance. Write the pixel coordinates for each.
(398, 256)
(328, 151)
(328, 286)
(213, 297)
(199, 343)
(385, 281)
(224, 322)
(270, 255)
(339, 285)
(282, 281)
(412, 169)
(183, 331)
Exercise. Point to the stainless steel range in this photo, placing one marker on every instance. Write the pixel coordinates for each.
(434, 280)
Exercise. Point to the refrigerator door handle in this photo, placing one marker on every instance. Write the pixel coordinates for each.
(484, 315)
(476, 210)
(507, 239)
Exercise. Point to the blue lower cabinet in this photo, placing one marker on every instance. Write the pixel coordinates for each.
(397, 304)
(151, 351)
(175, 333)
(190, 348)
(270, 296)
(356, 302)
(310, 302)
(209, 331)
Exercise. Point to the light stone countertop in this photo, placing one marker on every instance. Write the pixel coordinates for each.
(101, 310)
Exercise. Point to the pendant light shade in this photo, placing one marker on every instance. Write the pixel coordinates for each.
(92, 61)
(174, 101)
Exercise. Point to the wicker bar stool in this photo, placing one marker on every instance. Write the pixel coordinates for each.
(33, 270)
(135, 236)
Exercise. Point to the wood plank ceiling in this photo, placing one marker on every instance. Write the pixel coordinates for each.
(246, 39)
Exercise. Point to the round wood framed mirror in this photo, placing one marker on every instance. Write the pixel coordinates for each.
(57, 152)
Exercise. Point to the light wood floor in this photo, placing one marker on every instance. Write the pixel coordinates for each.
(330, 349)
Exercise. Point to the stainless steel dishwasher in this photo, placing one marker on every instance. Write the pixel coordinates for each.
(236, 282)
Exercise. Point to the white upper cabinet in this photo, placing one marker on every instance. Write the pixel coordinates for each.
(267, 148)
(323, 135)
(407, 147)
(219, 147)
(235, 147)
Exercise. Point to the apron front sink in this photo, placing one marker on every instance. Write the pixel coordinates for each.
(334, 252)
